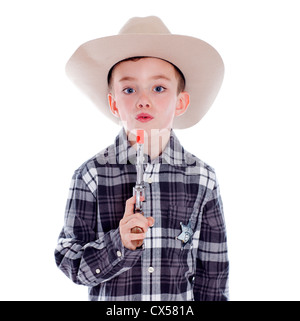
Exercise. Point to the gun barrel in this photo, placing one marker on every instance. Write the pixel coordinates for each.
(138, 190)
(139, 164)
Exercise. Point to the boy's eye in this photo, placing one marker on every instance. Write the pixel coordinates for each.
(159, 89)
(128, 90)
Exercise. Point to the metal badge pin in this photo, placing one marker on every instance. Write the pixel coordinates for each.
(186, 233)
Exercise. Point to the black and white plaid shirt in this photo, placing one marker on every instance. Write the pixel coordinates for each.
(180, 191)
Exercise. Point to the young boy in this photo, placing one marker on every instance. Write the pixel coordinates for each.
(154, 81)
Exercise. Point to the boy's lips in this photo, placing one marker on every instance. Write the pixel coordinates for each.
(143, 117)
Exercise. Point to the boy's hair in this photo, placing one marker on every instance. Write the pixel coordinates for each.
(179, 75)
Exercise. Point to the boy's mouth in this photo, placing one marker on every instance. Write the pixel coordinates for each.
(143, 117)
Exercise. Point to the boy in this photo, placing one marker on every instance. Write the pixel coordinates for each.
(154, 81)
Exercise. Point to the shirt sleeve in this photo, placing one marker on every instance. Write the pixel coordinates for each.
(88, 257)
(212, 269)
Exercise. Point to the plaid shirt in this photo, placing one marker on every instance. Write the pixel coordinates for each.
(179, 189)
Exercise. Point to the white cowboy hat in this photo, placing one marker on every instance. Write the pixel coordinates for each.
(199, 62)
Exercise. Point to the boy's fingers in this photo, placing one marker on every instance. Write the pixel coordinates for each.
(129, 206)
(151, 221)
(148, 221)
(139, 221)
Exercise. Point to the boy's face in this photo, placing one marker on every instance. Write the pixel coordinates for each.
(145, 94)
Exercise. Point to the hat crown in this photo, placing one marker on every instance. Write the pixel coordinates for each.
(144, 25)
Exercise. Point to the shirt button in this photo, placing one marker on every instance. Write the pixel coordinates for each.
(150, 269)
(98, 271)
(119, 254)
(149, 180)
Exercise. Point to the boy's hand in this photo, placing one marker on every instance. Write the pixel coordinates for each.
(130, 220)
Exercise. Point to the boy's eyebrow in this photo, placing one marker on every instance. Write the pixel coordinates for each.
(161, 77)
(127, 78)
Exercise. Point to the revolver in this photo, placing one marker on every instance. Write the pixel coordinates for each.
(139, 188)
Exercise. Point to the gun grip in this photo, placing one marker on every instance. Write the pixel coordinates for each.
(137, 230)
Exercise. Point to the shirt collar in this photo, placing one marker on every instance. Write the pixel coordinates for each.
(173, 154)
(123, 149)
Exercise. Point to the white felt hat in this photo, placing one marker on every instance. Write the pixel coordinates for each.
(200, 63)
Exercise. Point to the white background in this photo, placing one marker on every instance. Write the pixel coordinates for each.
(250, 135)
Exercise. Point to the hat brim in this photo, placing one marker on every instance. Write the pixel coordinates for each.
(200, 63)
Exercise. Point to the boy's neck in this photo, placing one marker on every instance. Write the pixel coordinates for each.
(155, 142)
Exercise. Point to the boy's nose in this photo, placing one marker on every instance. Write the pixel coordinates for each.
(143, 102)
(140, 105)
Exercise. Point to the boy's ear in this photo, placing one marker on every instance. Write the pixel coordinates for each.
(113, 105)
(183, 102)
